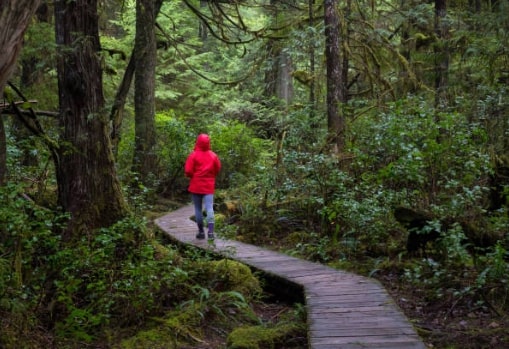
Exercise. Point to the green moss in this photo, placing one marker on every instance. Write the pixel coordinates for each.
(170, 332)
(229, 275)
(261, 337)
(297, 237)
(219, 219)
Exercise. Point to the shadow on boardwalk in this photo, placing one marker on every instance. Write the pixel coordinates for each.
(344, 310)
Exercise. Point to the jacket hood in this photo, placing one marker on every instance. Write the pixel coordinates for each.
(202, 142)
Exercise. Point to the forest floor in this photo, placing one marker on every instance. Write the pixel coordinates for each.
(268, 312)
(451, 323)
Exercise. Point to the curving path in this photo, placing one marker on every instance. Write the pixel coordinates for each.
(344, 310)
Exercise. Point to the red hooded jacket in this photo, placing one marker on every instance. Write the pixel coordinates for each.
(202, 166)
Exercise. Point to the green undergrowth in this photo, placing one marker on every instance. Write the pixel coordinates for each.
(263, 337)
(117, 287)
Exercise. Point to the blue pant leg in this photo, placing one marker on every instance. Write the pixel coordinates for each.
(208, 200)
(198, 206)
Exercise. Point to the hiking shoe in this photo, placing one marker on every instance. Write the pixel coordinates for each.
(211, 236)
(200, 235)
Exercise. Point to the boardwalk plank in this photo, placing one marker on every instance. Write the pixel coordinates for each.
(341, 298)
(344, 310)
(384, 343)
(361, 328)
(348, 322)
(372, 315)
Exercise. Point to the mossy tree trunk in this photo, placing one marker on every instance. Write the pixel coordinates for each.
(336, 87)
(117, 110)
(87, 182)
(3, 151)
(145, 52)
(14, 19)
(15, 16)
(441, 55)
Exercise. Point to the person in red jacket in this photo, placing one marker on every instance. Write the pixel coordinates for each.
(202, 167)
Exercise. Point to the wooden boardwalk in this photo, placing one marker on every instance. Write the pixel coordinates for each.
(344, 310)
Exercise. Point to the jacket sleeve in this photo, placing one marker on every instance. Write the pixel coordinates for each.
(189, 166)
(217, 164)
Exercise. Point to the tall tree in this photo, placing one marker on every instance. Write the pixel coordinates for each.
(3, 151)
(278, 80)
(441, 54)
(312, 66)
(117, 110)
(145, 56)
(88, 187)
(336, 90)
(15, 16)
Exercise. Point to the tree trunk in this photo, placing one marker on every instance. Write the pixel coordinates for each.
(117, 110)
(203, 31)
(441, 55)
(145, 50)
(3, 151)
(335, 85)
(270, 77)
(284, 82)
(312, 68)
(15, 16)
(88, 187)
(278, 79)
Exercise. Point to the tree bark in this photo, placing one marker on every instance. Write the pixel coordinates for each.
(441, 55)
(278, 78)
(284, 82)
(3, 151)
(15, 16)
(270, 76)
(145, 54)
(117, 110)
(88, 187)
(335, 85)
(312, 69)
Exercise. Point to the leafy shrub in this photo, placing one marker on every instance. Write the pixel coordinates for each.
(407, 149)
(235, 144)
(175, 140)
(239, 151)
(27, 241)
(358, 219)
(115, 280)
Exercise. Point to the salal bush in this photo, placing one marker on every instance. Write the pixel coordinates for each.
(434, 159)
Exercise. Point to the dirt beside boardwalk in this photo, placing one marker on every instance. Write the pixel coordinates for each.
(450, 323)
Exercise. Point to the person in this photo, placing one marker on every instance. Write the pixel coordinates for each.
(202, 166)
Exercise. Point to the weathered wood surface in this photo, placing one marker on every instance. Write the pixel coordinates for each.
(344, 310)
